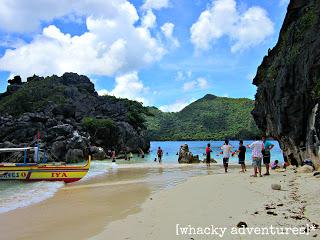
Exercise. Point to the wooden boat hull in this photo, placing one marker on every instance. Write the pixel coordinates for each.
(31, 172)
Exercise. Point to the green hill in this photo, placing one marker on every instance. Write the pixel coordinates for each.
(210, 117)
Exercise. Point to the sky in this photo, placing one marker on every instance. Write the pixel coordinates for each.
(163, 53)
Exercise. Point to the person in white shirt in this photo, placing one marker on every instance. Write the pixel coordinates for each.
(257, 147)
(226, 149)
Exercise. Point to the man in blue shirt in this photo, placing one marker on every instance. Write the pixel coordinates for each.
(266, 154)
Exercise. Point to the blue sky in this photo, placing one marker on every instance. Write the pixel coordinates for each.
(165, 53)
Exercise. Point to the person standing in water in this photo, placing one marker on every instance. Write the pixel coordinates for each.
(226, 150)
(242, 156)
(257, 147)
(266, 154)
(113, 155)
(208, 155)
(159, 154)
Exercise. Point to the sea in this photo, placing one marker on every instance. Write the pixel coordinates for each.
(17, 194)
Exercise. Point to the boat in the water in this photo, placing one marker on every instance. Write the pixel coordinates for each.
(41, 171)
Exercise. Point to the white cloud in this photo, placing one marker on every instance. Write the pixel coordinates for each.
(200, 83)
(175, 107)
(155, 4)
(183, 75)
(222, 18)
(113, 44)
(167, 30)
(128, 86)
(25, 16)
(103, 92)
(149, 19)
(187, 86)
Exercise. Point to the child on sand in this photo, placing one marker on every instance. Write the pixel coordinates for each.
(226, 150)
(275, 165)
(286, 163)
(242, 156)
(208, 157)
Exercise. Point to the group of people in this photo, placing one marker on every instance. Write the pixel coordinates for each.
(261, 152)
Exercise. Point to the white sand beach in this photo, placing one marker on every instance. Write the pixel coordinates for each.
(126, 207)
(223, 200)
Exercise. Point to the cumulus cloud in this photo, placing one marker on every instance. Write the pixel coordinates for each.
(113, 44)
(149, 19)
(221, 18)
(128, 86)
(175, 107)
(25, 16)
(167, 30)
(199, 83)
(155, 4)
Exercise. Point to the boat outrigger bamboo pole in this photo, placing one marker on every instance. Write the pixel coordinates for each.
(25, 154)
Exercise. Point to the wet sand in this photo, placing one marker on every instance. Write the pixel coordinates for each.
(139, 203)
(77, 211)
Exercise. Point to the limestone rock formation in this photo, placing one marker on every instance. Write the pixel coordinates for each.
(68, 116)
(185, 156)
(288, 81)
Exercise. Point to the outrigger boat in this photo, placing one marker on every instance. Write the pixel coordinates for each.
(40, 171)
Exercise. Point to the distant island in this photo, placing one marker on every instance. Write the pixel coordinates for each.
(208, 118)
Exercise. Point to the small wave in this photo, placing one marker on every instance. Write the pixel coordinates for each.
(15, 195)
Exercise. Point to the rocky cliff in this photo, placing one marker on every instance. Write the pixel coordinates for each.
(288, 81)
(68, 116)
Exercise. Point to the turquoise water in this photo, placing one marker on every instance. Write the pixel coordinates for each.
(15, 194)
(171, 148)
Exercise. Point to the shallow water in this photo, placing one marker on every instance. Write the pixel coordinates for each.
(14, 194)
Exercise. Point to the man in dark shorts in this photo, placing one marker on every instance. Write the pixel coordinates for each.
(226, 151)
(242, 156)
(266, 154)
(208, 155)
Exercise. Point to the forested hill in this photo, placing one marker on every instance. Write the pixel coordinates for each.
(210, 117)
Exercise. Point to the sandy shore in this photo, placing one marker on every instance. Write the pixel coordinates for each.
(125, 206)
(223, 200)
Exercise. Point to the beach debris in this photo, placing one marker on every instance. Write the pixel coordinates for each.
(276, 186)
(269, 208)
(256, 212)
(305, 169)
(151, 198)
(315, 235)
(242, 225)
(316, 174)
(297, 217)
(280, 204)
(272, 213)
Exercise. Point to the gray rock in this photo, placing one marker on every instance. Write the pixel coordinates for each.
(58, 150)
(275, 186)
(74, 155)
(98, 153)
(185, 156)
(62, 129)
